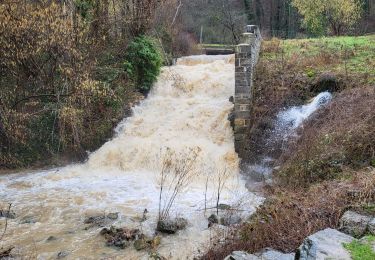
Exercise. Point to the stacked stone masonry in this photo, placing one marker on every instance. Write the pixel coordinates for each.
(246, 58)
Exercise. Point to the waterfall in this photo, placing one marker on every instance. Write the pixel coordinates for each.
(286, 123)
(187, 108)
(290, 119)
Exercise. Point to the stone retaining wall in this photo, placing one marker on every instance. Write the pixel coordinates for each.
(246, 58)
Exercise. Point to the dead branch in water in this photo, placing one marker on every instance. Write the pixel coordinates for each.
(222, 177)
(176, 173)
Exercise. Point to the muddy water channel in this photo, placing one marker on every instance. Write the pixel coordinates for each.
(187, 109)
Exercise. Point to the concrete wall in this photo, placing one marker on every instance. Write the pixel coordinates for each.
(247, 54)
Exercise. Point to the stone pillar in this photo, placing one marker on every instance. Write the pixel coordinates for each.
(246, 57)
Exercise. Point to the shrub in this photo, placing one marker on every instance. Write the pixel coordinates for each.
(143, 62)
(48, 100)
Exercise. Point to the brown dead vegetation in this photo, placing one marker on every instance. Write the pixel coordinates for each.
(339, 136)
(289, 216)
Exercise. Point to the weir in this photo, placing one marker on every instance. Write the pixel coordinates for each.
(246, 58)
(187, 109)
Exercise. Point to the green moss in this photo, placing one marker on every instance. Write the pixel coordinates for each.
(361, 250)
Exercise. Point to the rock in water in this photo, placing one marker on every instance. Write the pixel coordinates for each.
(171, 226)
(6, 253)
(7, 214)
(113, 216)
(213, 219)
(141, 244)
(100, 220)
(120, 237)
(354, 224)
(96, 220)
(28, 220)
(51, 238)
(325, 244)
(62, 254)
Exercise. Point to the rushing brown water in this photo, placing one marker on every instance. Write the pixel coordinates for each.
(187, 108)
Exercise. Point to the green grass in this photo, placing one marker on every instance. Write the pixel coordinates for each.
(361, 250)
(369, 208)
(348, 53)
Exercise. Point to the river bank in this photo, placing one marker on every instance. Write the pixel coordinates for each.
(330, 157)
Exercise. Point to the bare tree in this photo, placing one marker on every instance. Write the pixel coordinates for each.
(231, 18)
(178, 169)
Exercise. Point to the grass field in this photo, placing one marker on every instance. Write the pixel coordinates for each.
(346, 54)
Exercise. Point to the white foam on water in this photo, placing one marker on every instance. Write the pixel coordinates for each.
(287, 122)
(187, 108)
(292, 118)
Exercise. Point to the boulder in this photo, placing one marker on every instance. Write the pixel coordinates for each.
(241, 255)
(325, 244)
(371, 226)
(354, 224)
(270, 254)
(266, 254)
(171, 226)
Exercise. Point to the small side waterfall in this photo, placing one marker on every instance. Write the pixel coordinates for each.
(291, 118)
(286, 123)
